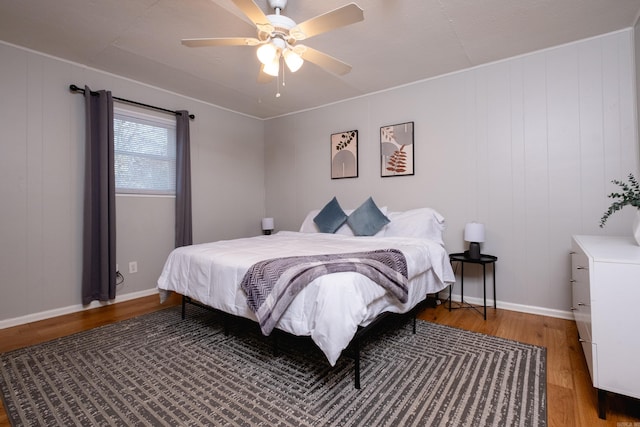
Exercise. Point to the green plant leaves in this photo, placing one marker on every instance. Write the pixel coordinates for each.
(630, 195)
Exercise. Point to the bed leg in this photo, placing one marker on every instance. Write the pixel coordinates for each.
(356, 361)
(184, 307)
(274, 344)
(414, 323)
(225, 324)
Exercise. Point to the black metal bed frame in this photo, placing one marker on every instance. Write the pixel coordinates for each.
(354, 344)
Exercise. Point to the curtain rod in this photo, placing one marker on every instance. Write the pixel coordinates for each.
(74, 88)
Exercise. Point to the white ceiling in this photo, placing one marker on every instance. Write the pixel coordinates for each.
(399, 42)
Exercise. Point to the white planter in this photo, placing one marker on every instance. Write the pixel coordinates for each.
(636, 227)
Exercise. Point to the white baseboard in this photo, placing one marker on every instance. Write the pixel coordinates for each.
(541, 311)
(7, 323)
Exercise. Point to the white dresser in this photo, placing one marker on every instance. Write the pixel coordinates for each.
(605, 276)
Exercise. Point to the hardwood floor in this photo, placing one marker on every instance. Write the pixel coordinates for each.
(571, 399)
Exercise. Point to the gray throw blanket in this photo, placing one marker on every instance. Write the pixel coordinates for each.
(272, 284)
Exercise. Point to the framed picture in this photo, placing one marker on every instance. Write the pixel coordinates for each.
(396, 150)
(344, 155)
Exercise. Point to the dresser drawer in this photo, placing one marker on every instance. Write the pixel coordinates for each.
(581, 294)
(580, 268)
(581, 307)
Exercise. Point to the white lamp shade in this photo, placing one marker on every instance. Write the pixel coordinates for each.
(474, 232)
(272, 68)
(266, 53)
(293, 60)
(267, 223)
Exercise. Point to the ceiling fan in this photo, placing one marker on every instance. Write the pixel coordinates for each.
(278, 37)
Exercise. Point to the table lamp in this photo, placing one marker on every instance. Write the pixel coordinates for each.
(267, 225)
(474, 234)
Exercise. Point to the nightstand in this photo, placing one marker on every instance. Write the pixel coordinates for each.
(484, 259)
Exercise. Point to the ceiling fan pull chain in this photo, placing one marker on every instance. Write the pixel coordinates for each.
(282, 67)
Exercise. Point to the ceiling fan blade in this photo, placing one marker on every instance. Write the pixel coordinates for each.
(340, 17)
(325, 61)
(221, 41)
(253, 12)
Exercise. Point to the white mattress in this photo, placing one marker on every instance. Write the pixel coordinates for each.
(329, 309)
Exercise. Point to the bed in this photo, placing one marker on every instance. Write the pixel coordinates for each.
(332, 307)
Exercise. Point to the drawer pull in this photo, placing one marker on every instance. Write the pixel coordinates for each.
(581, 268)
(573, 309)
(572, 253)
(572, 281)
(581, 304)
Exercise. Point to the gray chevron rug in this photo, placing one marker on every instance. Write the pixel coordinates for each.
(157, 369)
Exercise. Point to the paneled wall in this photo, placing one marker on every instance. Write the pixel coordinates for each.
(527, 146)
(42, 167)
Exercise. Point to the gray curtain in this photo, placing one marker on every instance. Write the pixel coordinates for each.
(99, 230)
(183, 235)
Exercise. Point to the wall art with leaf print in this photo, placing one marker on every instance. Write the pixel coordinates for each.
(396, 149)
(344, 155)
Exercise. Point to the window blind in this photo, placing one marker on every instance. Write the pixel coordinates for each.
(145, 153)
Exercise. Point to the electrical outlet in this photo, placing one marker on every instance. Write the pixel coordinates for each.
(133, 267)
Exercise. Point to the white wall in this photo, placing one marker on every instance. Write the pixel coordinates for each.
(636, 45)
(41, 167)
(527, 146)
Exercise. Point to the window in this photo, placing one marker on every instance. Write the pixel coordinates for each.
(145, 153)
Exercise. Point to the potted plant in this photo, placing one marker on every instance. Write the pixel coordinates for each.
(630, 195)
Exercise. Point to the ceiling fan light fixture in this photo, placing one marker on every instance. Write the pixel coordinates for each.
(273, 67)
(267, 53)
(293, 60)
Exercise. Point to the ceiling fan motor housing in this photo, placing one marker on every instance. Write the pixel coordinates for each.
(281, 26)
(281, 23)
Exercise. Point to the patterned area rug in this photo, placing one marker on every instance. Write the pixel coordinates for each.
(159, 370)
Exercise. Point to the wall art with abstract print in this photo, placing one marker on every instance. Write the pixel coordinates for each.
(344, 155)
(396, 150)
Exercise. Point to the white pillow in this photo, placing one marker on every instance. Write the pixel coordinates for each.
(308, 226)
(424, 223)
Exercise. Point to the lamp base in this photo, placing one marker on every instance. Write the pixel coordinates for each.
(474, 250)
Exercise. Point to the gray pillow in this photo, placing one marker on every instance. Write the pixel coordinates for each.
(367, 220)
(331, 217)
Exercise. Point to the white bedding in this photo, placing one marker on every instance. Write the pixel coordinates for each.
(329, 309)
